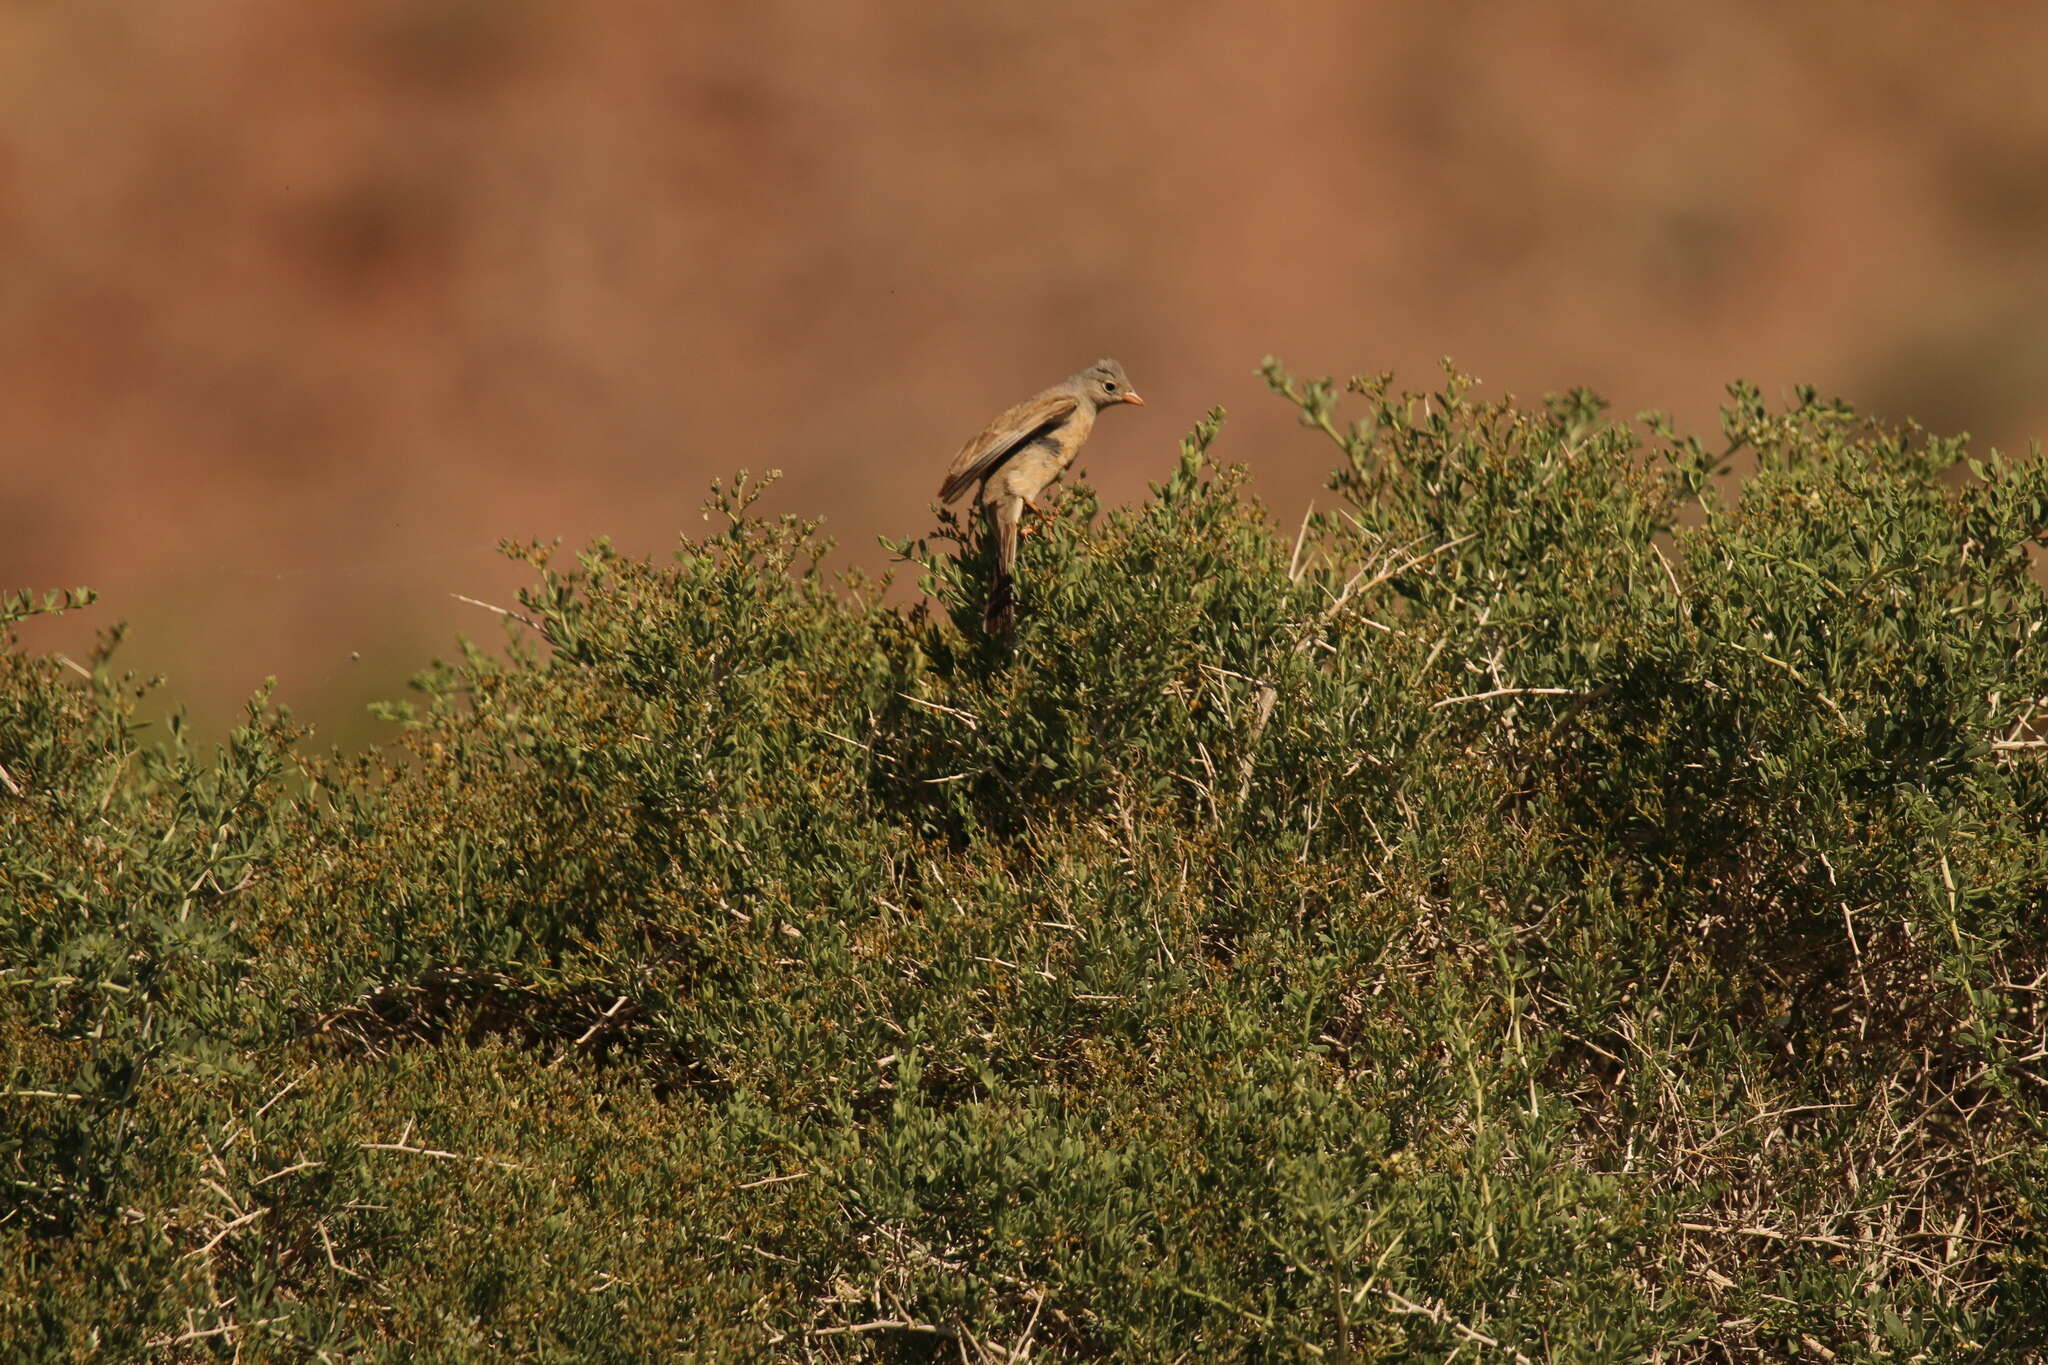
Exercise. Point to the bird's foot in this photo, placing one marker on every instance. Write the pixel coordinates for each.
(1040, 514)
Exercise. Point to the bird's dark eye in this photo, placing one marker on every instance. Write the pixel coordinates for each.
(1109, 386)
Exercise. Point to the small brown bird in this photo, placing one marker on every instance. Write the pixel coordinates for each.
(1021, 454)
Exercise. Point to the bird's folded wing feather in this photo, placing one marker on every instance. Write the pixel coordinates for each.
(1002, 438)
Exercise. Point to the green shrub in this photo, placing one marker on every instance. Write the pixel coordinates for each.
(1560, 903)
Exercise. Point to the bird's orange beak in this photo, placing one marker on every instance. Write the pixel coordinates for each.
(1130, 397)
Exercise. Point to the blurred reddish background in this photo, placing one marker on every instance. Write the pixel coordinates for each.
(303, 306)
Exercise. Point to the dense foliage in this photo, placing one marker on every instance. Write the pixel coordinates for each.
(1561, 903)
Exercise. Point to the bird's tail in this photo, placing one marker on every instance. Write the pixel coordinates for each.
(1000, 616)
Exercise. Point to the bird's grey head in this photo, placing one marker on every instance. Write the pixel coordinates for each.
(1106, 385)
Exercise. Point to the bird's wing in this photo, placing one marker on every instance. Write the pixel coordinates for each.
(1002, 438)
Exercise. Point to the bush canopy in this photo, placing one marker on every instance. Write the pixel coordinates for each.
(1561, 902)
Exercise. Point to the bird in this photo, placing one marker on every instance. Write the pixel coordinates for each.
(1019, 455)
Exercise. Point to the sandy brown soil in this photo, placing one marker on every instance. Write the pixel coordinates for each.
(303, 306)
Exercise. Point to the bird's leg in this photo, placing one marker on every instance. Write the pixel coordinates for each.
(1045, 506)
